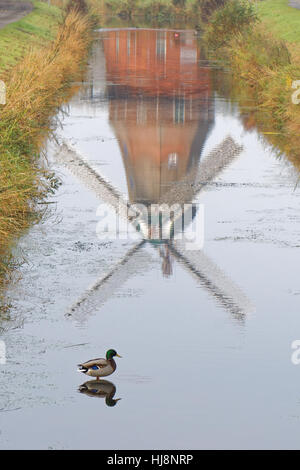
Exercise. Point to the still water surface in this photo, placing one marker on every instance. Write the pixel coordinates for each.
(205, 335)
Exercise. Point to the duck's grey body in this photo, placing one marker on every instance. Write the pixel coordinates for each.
(98, 367)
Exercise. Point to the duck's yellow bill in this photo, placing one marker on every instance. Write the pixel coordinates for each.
(118, 355)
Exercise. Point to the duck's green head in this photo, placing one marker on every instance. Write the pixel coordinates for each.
(111, 353)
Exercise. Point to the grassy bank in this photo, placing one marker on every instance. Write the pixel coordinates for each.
(263, 66)
(38, 28)
(36, 87)
(280, 19)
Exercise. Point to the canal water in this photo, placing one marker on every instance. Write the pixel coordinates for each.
(205, 325)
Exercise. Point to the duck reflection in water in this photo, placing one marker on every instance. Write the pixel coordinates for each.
(100, 389)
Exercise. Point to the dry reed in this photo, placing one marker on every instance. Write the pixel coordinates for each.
(37, 87)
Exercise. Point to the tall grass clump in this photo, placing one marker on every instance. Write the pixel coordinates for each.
(36, 88)
(38, 83)
(96, 10)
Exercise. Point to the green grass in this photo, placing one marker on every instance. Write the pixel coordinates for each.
(36, 88)
(37, 28)
(281, 19)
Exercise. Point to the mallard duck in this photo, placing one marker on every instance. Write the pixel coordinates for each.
(100, 367)
(101, 389)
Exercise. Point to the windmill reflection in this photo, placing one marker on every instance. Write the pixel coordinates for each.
(161, 109)
(100, 389)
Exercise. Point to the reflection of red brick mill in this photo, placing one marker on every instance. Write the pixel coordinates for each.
(156, 62)
(160, 107)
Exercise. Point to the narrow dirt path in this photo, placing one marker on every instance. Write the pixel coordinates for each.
(295, 4)
(11, 11)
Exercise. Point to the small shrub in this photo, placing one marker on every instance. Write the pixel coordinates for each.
(78, 5)
(207, 7)
(236, 17)
(123, 8)
(179, 3)
(161, 9)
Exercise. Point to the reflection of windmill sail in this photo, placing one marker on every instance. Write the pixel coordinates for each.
(185, 192)
(134, 261)
(228, 294)
(210, 167)
(216, 161)
(91, 179)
